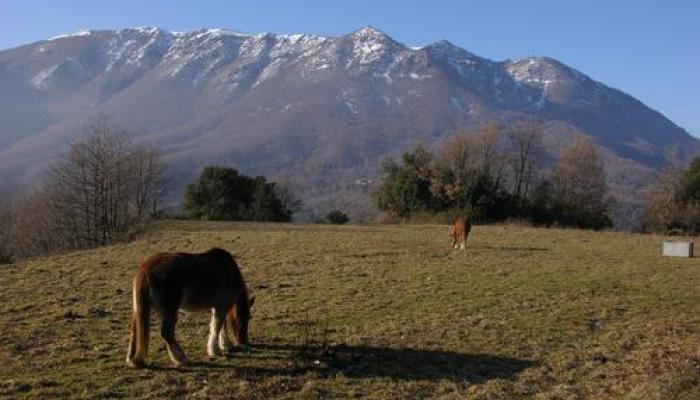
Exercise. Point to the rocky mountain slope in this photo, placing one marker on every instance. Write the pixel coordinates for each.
(321, 112)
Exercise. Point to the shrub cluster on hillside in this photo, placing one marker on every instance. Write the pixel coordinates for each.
(496, 175)
(672, 202)
(336, 217)
(221, 193)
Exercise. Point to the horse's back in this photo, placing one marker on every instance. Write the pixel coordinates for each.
(198, 280)
(190, 264)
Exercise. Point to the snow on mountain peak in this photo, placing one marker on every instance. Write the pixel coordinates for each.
(84, 32)
(445, 48)
(370, 45)
(369, 31)
(143, 30)
(542, 72)
(223, 32)
(233, 56)
(463, 62)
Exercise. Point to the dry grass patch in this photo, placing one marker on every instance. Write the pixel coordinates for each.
(373, 311)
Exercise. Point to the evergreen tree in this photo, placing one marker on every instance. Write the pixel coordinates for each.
(406, 187)
(221, 193)
(689, 190)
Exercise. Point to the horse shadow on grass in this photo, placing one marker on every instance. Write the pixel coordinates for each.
(394, 363)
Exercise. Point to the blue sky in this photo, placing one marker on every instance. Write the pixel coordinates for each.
(650, 49)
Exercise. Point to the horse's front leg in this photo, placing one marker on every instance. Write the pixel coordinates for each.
(217, 320)
(177, 355)
(225, 344)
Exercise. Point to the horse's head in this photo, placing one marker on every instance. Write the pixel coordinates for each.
(240, 318)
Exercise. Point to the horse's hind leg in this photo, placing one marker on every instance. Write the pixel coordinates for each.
(217, 320)
(132, 343)
(225, 344)
(167, 331)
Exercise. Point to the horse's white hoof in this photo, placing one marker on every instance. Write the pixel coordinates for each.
(213, 352)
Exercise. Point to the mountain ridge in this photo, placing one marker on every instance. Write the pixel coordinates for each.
(320, 111)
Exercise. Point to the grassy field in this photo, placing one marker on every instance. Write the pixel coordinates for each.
(372, 311)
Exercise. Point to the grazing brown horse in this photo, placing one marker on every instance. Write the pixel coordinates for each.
(460, 232)
(168, 282)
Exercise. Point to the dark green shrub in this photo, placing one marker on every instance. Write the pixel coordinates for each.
(336, 217)
(221, 193)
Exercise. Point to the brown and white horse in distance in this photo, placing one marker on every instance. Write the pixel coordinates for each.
(460, 232)
(168, 282)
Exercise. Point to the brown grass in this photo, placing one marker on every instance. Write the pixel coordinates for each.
(373, 311)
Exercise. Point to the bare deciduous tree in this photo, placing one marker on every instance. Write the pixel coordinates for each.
(578, 181)
(469, 166)
(526, 156)
(288, 194)
(489, 143)
(150, 182)
(102, 189)
(34, 227)
(454, 162)
(661, 206)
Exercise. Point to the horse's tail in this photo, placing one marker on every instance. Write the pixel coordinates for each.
(140, 321)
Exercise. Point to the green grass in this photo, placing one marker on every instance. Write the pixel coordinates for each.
(372, 311)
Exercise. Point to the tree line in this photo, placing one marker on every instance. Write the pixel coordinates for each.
(498, 174)
(106, 187)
